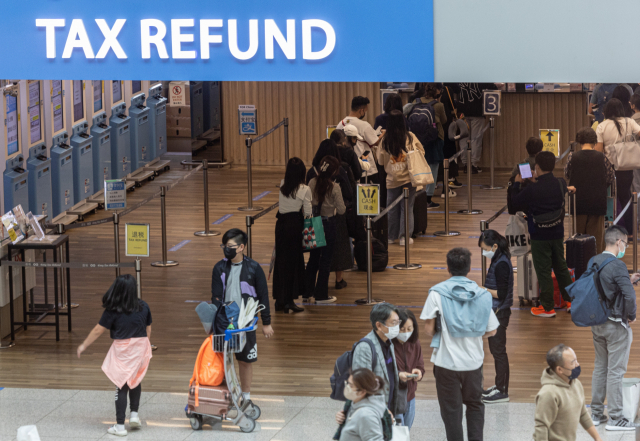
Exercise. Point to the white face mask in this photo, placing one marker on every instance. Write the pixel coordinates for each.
(488, 254)
(350, 394)
(393, 332)
(404, 336)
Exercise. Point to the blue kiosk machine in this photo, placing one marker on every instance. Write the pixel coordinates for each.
(101, 132)
(81, 143)
(61, 152)
(38, 164)
(158, 127)
(120, 133)
(15, 178)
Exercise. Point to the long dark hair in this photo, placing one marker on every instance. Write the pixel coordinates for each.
(405, 315)
(324, 181)
(338, 137)
(622, 93)
(326, 148)
(395, 139)
(293, 177)
(122, 296)
(614, 110)
(491, 238)
(393, 102)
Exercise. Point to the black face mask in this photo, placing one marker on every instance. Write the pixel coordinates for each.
(230, 253)
(363, 115)
(575, 373)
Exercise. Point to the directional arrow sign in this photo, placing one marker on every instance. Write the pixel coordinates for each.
(551, 141)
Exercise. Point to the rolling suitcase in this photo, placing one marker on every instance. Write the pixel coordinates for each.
(420, 213)
(580, 248)
(212, 400)
(528, 289)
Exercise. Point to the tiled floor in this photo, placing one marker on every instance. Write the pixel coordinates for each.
(68, 415)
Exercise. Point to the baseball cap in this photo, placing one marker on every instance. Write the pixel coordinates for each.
(351, 130)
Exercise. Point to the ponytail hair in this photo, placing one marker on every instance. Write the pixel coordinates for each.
(329, 166)
(491, 238)
(370, 383)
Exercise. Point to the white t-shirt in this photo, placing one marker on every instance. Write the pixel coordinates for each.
(370, 137)
(291, 205)
(607, 131)
(455, 353)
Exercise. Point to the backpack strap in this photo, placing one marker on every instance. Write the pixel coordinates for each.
(598, 283)
(374, 353)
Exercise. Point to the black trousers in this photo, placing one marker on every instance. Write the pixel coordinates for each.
(121, 401)
(454, 389)
(498, 348)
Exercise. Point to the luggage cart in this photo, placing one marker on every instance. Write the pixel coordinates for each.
(242, 413)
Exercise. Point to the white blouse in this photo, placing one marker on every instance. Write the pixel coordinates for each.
(302, 200)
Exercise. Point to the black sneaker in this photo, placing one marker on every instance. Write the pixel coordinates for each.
(489, 391)
(497, 397)
(341, 284)
(475, 170)
(621, 424)
(478, 169)
(432, 206)
(453, 183)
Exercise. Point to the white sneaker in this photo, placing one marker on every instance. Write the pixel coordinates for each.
(331, 299)
(113, 430)
(134, 422)
(621, 424)
(402, 241)
(452, 194)
(390, 241)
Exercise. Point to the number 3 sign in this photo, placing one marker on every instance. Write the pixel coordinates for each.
(491, 102)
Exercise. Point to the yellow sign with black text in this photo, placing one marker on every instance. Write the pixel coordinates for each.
(550, 141)
(137, 240)
(368, 200)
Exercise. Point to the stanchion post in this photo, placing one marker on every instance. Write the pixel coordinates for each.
(138, 271)
(469, 209)
(369, 300)
(574, 217)
(286, 140)
(407, 238)
(446, 232)
(249, 207)
(163, 222)
(116, 239)
(249, 247)
(492, 150)
(483, 260)
(206, 232)
(635, 232)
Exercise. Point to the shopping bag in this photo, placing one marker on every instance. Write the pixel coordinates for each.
(313, 234)
(400, 433)
(624, 154)
(28, 433)
(630, 397)
(517, 234)
(419, 170)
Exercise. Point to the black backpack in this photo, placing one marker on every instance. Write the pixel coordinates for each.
(422, 122)
(379, 257)
(342, 369)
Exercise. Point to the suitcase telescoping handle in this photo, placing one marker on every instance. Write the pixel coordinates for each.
(574, 218)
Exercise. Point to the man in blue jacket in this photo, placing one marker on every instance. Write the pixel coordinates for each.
(236, 278)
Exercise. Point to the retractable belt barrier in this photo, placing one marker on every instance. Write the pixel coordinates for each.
(484, 225)
(389, 207)
(250, 222)
(249, 142)
(67, 264)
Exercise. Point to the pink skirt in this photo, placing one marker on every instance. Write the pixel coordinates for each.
(127, 361)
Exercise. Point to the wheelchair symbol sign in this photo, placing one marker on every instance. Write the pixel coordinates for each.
(248, 127)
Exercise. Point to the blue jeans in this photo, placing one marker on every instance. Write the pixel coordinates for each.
(434, 171)
(409, 416)
(396, 214)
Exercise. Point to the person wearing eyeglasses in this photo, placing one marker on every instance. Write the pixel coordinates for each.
(236, 278)
(612, 339)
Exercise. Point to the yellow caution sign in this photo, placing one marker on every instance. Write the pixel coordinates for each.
(551, 141)
(368, 199)
(137, 240)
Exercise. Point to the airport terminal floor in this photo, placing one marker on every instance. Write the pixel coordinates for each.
(45, 383)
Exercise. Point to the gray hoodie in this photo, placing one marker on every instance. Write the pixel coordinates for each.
(364, 422)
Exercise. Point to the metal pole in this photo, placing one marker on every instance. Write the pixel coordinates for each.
(116, 238)
(574, 218)
(407, 238)
(446, 232)
(249, 247)
(483, 260)
(250, 206)
(163, 221)
(369, 300)
(469, 209)
(492, 151)
(614, 193)
(286, 140)
(206, 232)
(138, 270)
(635, 232)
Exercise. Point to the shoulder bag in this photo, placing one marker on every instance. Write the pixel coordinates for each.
(624, 154)
(552, 219)
(419, 170)
(313, 231)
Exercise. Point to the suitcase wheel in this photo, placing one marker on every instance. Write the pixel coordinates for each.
(248, 425)
(253, 412)
(196, 421)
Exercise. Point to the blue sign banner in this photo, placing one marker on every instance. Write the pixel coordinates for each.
(220, 40)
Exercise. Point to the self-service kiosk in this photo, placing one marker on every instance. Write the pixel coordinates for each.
(120, 133)
(158, 119)
(15, 178)
(101, 132)
(38, 164)
(211, 107)
(141, 150)
(196, 98)
(81, 142)
(61, 151)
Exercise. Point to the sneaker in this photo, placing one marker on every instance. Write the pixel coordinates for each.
(452, 194)
(497, 397)
(474, 169)
(113, 430)
(432, 206)
(134, 422)
(569, 307)
(477, 169)
(539, 311)
(597, 420)
(331, 299)
(621, 424)
(341, 284)
(402, 241)
(390, 241)
(454, 183)
(489, 391)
